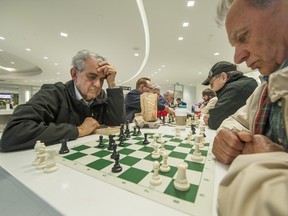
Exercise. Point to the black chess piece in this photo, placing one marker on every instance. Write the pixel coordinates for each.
(121, 139)
(145, 141)
(114, 151)
(117, 167)
(163, 120)
(64, 148)
(111, 141)
(193, 128)
(138, 131)
(100, 145)
(134, 132)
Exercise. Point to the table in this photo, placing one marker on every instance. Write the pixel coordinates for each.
(61, 188)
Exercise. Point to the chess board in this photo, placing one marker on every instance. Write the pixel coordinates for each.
(137, 170)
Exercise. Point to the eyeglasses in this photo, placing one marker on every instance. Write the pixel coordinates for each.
(213, 79)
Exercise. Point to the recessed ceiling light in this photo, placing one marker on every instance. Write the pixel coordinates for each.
(56, 64)
(136, 54)
(1, 50)
(163, 65)
(199, 73)
(2, 38)
(45, 57)
(12, 62)
(28, 49)
(185, 24)
(180, 38)
(216, 54)
(58, 73)
(63, 34)
(190, 3)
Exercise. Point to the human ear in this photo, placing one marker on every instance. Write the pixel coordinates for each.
(73, 73)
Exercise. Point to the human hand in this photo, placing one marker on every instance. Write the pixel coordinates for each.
(88, 126)
(109, 72)
(258, 144)
(227, 146)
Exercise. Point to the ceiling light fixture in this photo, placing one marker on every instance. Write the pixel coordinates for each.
(45, 57)
(180, 38)
(136, 54)
(216, 54)
(2, 38)
(185, 24)
(28, 49)
(64, 34)
(190, 3)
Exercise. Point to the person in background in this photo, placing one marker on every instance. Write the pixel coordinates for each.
(254, 139)
(68, 111)
(180, 103)
(232, 89)
(167, 98)
(209, 100)
(164, 101)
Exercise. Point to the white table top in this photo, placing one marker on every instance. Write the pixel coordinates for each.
(73, 193)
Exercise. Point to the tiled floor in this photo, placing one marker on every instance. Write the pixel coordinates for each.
(16, 199)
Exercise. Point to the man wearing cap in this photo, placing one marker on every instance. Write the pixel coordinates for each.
(232, 89)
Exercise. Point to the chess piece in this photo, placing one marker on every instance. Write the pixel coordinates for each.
(196, 156)
(162, 148)
(114, 151)
(41, 157)
(117, 167)
(145, 141)
(127, 130)
(36, 149)
(181, 182)
(165, 167)
(155, 154)
(156, 178)
(111, 142)
(100, 145)
(51, 165)
(138, 131)
(134, 132)
(64, 148)
(121, 140)
(177, 135)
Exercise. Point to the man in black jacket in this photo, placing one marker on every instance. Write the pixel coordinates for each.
(68, 111)
(232, 89)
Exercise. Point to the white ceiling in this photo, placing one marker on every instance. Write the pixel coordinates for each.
(114, 29)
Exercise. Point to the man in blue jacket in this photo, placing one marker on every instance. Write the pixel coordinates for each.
(68, 111)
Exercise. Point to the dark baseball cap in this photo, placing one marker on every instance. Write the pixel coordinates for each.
(218, 68)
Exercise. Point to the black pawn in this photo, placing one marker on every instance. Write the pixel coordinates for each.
(116, 168)
(64, 148)
(134, 132)
(145, 141)
(100, 145)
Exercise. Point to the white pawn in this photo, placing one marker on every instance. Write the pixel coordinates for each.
(189, 137)
(51, 165)
(156, 179)
(42, 157)
(181, 182)
(177, 135)
(155, 153)
(165, 167)
(196, 156)
(162, 148)
(159, 140)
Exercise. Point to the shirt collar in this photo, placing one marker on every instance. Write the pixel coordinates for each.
(80, 98)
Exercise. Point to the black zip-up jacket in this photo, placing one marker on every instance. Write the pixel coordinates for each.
(231, 97)
(54, 113)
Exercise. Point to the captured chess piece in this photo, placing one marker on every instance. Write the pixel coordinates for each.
(51, 165)
(145, 141)
(117, 167)
(181, 183)
(100, 145)
(64, 148)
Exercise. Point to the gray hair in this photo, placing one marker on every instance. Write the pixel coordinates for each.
(224, 5)
(78, 61)
(168, 92)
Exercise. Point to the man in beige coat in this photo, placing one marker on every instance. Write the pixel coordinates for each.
(254, 139)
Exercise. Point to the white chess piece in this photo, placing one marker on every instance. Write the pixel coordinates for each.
(181, 183)
(177, 135)
(155, 154)
(42, 157)
(37, 146)
(51, 165)
(165, 167)
(196, 156)
(159, 140)
(156, 179)
(162, 148)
